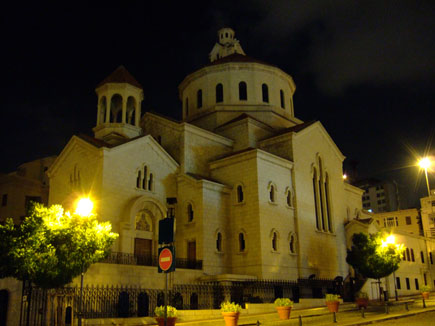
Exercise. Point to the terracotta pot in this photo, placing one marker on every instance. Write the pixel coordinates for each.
(425, 295)
(362, 302)
(161, 321)
(231, 318)
(284, 312)
(333, 305)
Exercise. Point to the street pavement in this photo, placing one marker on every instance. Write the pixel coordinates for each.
(348, 315)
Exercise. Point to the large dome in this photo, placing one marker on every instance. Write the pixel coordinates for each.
(233, 84)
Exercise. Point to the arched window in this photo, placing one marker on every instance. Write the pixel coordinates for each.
(289, 197)
(219, 242)
(241, 242)
(265, 92)
(328, 203)
(243, 93)
(219, 93)
(138, 179)
(150, 182)
(116, 108)
(145, 177)
(274, 242)
(321, 196)
(190, 214)
(272, 193)
(187, 107)
(316, 203)
(131, 110)
(199, 99)
(292, 244)
(239, 194)
(281, 95)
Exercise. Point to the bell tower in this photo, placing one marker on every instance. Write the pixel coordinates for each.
(119, 107)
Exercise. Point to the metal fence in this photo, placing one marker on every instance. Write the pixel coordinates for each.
(149, 260)
(40, 306)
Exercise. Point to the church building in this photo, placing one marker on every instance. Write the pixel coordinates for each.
(259, 193)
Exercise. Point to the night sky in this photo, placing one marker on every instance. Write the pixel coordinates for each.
(365, 69)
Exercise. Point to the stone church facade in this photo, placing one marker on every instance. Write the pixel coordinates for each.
(260, 193)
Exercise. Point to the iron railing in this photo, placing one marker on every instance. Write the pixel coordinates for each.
(129, 301)
(149, 260)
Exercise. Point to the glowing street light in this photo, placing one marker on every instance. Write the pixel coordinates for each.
(425, 163)
(83, 208)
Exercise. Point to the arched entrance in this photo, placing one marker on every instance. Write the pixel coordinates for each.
(139, 230)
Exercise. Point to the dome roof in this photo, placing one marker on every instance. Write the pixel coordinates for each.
(237, 57)
(119, 76)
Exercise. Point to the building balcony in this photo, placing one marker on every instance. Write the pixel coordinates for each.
(149, 260)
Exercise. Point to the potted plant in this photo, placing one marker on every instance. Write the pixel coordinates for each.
(362, 300)
(332, 302)
(284, 307)
(425, 290)
(160, 315)
(230, 311)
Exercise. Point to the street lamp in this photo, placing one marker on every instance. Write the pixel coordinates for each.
(425, 163)
(391, 240)
(83, 208)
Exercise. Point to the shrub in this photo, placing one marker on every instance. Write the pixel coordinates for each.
(230, 307)
(425, 288)
(283, 302)
(332, 297)
(160, 311)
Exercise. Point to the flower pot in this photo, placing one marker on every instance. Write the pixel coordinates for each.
(231, 318)
(333, 305)
(362, 302)
(161, 321)
(284, 312)
(425, 295)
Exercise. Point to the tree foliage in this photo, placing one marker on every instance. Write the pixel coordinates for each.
(52, 247)
(372, 256)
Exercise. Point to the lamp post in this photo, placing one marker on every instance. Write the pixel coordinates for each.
(425, 163)
(83, 208)
(391, 240)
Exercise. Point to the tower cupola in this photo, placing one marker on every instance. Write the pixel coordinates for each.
(119, 107)
(227, 44)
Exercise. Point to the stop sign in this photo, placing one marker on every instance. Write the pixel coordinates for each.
(165, 259)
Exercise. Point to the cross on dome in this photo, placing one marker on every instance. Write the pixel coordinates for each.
(226, 45)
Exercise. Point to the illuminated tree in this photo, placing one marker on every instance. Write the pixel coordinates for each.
(374, 255)
(52, 247)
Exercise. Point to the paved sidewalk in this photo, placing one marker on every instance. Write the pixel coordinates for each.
(348, 315)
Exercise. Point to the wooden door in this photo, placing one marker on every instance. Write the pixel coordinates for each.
(143, 251)
(191, 251)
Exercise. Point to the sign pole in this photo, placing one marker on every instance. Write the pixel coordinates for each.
(166, 299)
